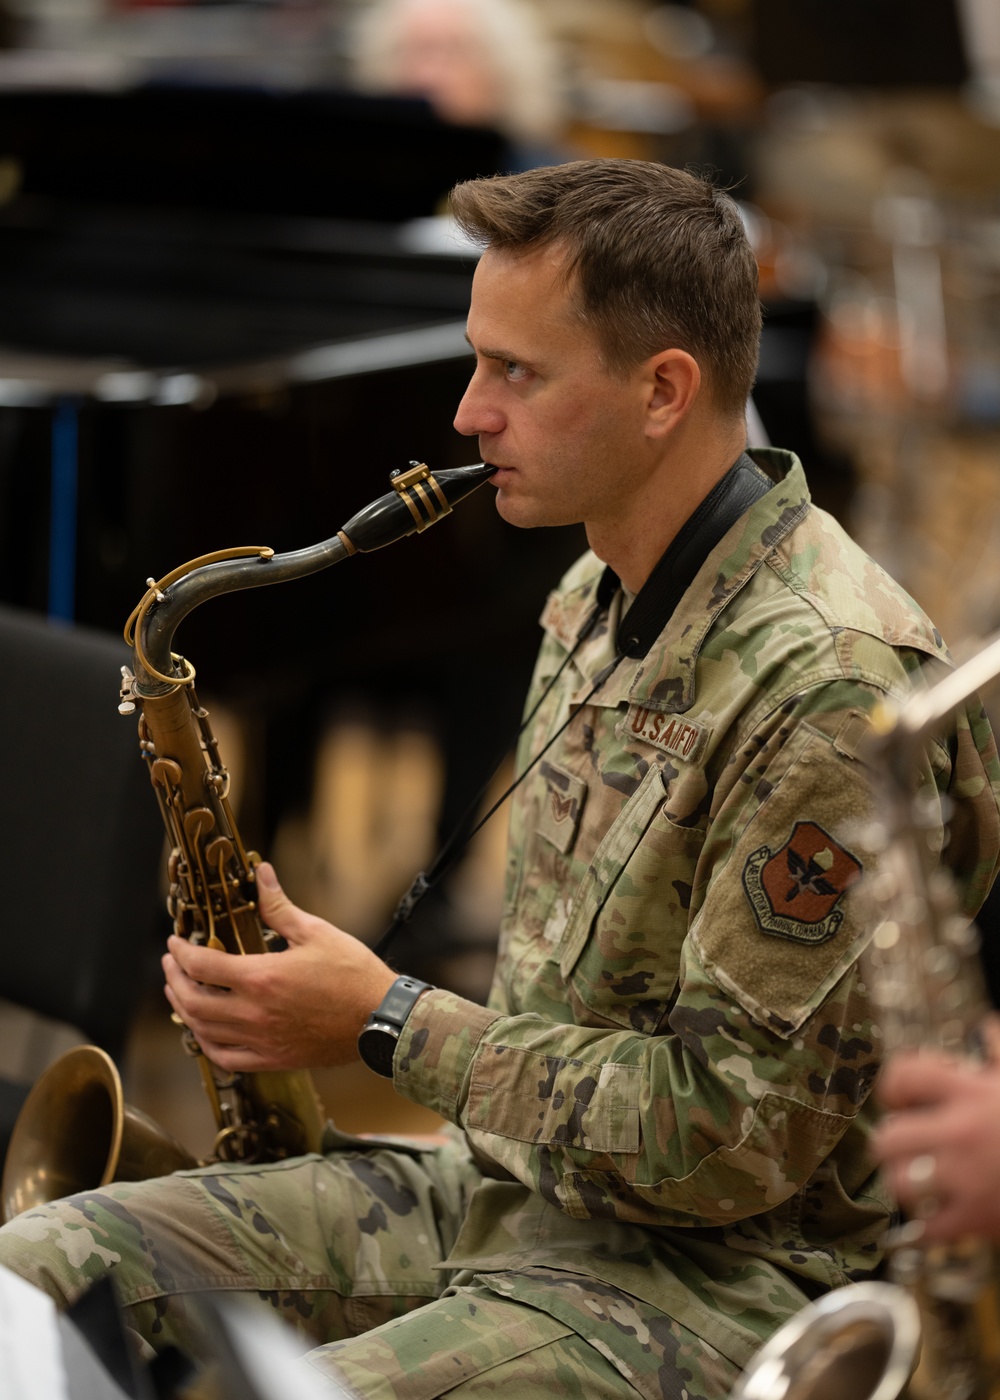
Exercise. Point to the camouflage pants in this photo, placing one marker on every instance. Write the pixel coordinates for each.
(344, 1247)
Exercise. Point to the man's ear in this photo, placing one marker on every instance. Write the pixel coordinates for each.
(674, 382)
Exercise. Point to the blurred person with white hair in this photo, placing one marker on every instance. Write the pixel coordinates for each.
(477, 62)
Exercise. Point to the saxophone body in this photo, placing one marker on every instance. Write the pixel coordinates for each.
(264, 1115)
(260, 1116)
(927, 980)
(931, 1329)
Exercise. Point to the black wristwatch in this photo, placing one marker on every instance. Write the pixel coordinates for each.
(377, 1041)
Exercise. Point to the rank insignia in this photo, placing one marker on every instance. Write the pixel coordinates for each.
(562, 805)
(794, 891)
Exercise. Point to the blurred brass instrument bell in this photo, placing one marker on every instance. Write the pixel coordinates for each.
(75, 1132)
(859, 1342)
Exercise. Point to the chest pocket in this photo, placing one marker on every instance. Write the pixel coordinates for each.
(544, 829)
(621, 948)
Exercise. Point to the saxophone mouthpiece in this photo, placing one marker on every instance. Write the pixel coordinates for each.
(419, 498)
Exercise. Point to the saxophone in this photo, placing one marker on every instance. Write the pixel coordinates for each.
(262, 1115)
(932, 1330)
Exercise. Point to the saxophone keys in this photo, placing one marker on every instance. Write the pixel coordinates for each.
(126, 693)
(219, 851)
(166, 772)
(198, 821)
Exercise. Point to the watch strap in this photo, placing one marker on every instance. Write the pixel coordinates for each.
(398, 1001)
(380, 1033)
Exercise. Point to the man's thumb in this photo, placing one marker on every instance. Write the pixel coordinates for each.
(277, 908)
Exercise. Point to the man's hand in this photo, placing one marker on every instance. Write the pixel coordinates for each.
(298, 1009)
(940, 1145)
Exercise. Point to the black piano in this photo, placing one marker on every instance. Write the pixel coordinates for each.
(226, 314)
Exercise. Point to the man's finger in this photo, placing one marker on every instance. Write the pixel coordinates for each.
(919, 1080)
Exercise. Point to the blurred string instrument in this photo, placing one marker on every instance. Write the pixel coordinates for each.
(932, 1331)
(75, 1132)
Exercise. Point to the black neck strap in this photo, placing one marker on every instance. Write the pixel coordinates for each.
(743, 484)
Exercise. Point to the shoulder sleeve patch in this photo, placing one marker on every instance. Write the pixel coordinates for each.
(778, 927)
(794, 890)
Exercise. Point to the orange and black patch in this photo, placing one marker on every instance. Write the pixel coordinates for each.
(794, 890)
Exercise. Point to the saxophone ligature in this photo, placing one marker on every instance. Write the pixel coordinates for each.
(74, 1131)
(931, 1330)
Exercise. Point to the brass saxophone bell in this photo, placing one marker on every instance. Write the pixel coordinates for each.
(75, 1132)
(861, 1341)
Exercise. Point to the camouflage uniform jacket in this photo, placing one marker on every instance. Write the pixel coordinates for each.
(671, 1082)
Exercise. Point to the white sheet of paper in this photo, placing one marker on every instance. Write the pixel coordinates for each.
(31, 1357)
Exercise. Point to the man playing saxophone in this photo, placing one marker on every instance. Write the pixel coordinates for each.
(659, 1126)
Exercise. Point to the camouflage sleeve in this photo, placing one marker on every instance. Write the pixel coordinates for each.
(768, 1050)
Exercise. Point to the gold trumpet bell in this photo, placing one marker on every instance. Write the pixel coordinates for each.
(76, 1132)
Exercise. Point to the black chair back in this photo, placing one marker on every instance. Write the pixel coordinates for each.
(82, 841)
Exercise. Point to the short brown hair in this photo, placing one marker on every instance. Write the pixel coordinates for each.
(661, 257)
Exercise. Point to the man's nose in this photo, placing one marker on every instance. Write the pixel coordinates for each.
(475, 415)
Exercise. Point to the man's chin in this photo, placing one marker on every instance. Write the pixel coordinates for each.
(527, 514)
(516, 511)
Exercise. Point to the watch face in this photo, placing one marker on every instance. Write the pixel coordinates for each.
(376, 1046)
(377, 1041)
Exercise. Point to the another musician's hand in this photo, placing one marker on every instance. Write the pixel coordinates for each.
(301, 1008)
(940, 1144)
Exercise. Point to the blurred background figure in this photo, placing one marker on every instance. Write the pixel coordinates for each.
(477, 62)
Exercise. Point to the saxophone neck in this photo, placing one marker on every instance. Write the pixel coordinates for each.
(419, 499)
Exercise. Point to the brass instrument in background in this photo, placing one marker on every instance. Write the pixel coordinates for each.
(933, 1331)
(75, 1132)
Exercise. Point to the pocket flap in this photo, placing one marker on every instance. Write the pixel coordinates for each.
(619, 841)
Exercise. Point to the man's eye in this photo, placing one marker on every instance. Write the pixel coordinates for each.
(513, 369)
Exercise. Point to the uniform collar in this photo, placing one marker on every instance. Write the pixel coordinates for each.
(728, 501)
(664, 678)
